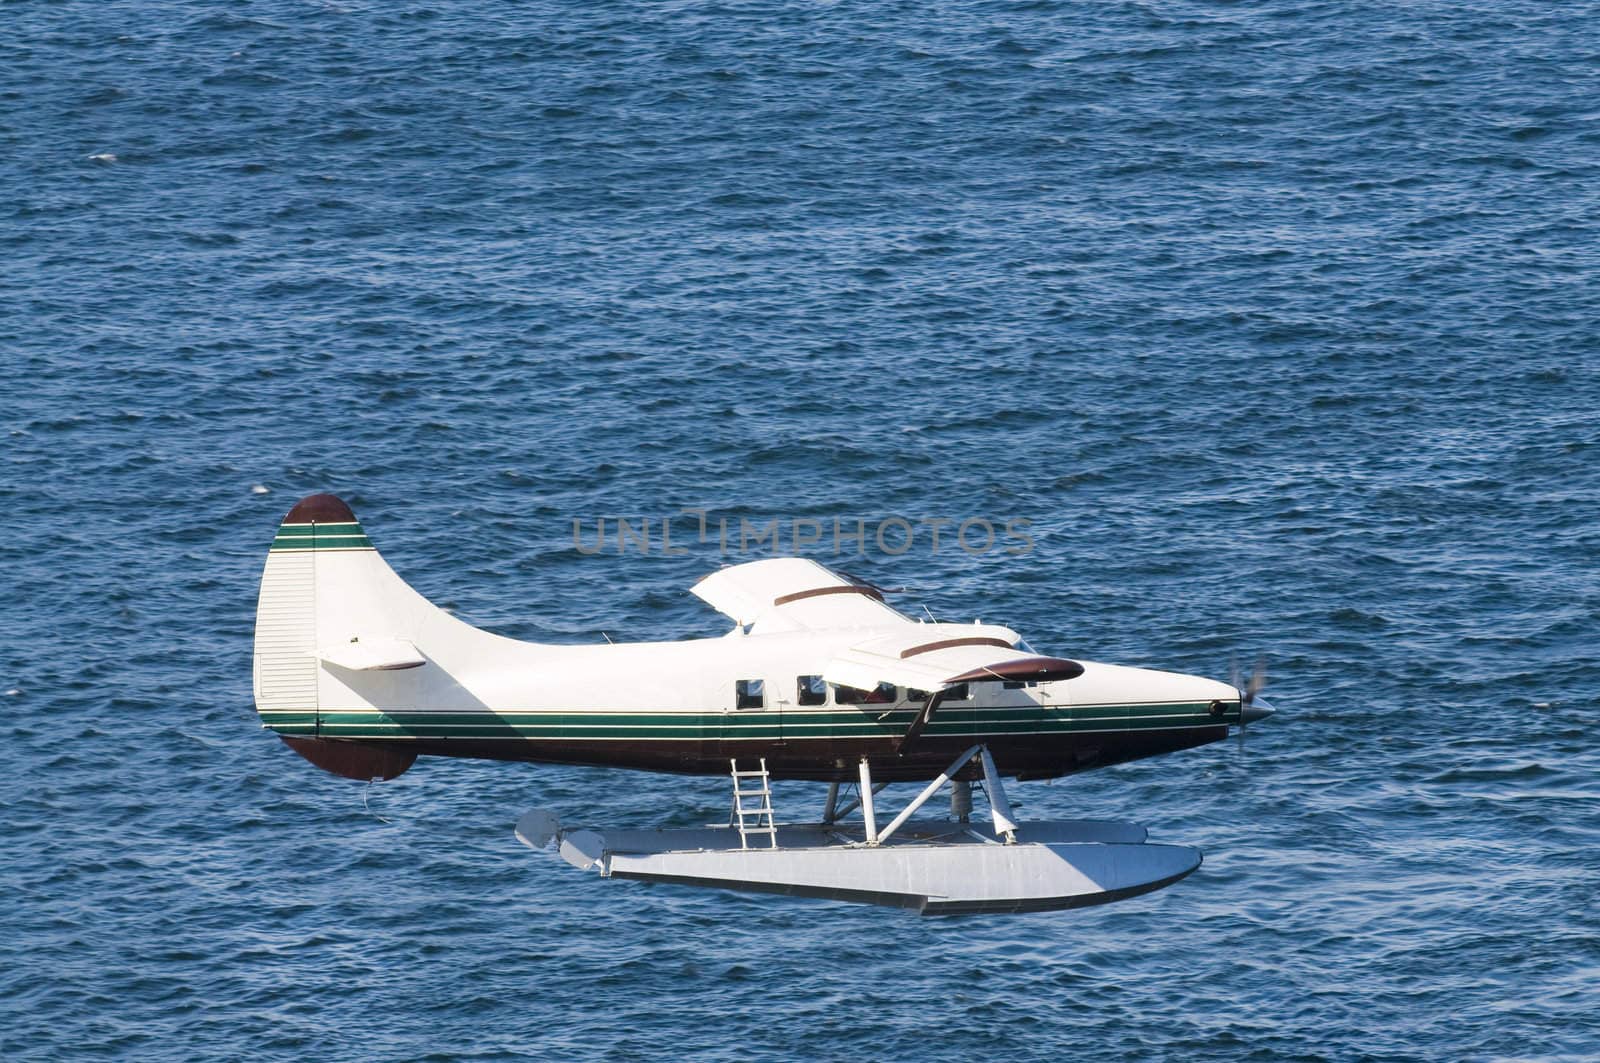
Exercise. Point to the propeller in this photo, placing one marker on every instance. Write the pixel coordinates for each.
(1252, 706)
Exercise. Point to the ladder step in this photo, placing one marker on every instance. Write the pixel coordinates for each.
(756, 817)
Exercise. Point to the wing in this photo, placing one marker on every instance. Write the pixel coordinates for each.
(795, 593)
(786, 593)
(934, 656)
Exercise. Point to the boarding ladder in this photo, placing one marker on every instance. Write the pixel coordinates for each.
(756, 817)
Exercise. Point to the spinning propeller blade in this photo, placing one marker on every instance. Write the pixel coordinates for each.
(1252, 706)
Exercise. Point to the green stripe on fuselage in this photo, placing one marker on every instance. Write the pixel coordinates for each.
(708, 727)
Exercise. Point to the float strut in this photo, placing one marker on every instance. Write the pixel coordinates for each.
(855, 802)
(931, 789)
(999, 807)
(830, 810)
(866, 803)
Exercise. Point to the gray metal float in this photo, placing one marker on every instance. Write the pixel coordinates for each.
(933, 866)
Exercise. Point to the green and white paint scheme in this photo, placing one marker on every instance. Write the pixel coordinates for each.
(361, 674)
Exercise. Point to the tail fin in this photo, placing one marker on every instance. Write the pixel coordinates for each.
(328, 598)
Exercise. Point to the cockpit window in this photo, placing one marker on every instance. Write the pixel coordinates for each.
(750, 694)
(812, 690)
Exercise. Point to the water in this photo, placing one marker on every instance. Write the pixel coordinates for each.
(1277, 321)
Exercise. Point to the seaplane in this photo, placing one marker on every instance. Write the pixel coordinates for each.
(818, 679)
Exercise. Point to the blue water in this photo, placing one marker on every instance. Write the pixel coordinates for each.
(1280, 323)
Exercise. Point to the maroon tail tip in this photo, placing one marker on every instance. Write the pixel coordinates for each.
(320, 509)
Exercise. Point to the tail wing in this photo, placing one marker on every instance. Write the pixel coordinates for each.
(332, 622)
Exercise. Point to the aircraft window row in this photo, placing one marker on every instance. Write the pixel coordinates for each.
(882, 694)
(813, 690)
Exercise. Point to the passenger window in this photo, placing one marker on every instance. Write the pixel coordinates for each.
(750, 694)
(812, 690)
(957, 693)
(882, 694)
(1019, 684)
(913, 694)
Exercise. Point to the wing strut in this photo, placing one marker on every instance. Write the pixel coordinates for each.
(928, 709)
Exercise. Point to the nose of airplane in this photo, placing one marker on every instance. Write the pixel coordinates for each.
(1255, 709)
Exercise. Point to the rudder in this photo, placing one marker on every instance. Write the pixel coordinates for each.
(322, 570)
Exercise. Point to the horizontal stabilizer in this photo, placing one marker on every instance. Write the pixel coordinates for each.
(373, 654)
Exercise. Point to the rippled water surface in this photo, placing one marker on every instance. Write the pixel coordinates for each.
(1277, 320)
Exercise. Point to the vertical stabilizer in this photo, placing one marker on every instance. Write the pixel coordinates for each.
(322, 572)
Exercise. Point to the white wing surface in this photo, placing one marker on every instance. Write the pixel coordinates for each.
(788, 593)
(933, 656)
